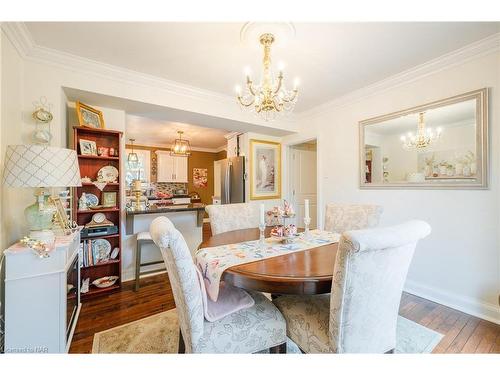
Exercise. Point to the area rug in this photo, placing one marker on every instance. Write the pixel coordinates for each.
(160, 334)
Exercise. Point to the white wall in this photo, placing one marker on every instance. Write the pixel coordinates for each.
(14, 130)
(458, 264)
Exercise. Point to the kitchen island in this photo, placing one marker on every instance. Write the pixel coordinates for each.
(187, 218)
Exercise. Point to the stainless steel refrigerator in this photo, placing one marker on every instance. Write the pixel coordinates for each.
(233, 180)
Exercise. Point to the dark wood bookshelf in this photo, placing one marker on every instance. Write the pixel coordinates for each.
(97, 157)
(103, 263)
(89, 167)
(93, 290)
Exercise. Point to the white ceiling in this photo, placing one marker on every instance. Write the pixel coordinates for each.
(148, 131)
(458, 114)
(330, 59)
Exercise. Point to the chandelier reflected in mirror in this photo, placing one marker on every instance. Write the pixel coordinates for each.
(181, 147)
(269, 98)
(423, 138)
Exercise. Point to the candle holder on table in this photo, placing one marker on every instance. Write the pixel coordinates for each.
(307, 222)
(262, 238)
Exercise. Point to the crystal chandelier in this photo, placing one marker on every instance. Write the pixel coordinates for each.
(270, 97)
(423, 138)
(181, 146)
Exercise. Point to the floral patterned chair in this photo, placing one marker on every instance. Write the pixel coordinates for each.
(341, 217)
(249, 330)
(228, 217)
(360, 314)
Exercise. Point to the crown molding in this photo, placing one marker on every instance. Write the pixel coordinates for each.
(22, 40)
(19, 35)
(231, 135)
(221, 148)
(167, 147)
(460, 56)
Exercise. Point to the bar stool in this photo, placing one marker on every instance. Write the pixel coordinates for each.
(143, 238)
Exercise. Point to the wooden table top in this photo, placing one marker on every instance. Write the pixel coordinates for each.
(302, 272)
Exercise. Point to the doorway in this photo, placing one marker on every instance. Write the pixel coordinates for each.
(303, 180)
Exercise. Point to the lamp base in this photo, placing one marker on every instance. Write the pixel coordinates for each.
(46, 236)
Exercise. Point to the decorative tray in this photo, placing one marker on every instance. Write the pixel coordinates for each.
(105, 282)
(286, 239)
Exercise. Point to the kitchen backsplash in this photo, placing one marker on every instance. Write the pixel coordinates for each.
(168, 187)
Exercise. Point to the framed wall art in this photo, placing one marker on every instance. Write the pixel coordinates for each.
(265, 170)
(89, 117)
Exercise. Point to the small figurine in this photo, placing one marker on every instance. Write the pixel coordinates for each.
(82, 203)
(287, 208)
(85, 285)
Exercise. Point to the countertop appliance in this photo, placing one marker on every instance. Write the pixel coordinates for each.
(233, 180)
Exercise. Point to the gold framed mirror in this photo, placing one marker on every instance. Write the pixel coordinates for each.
(439, 145)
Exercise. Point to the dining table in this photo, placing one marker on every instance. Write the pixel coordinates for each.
(302, 272)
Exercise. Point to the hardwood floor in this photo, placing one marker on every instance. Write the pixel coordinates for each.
(462, 333)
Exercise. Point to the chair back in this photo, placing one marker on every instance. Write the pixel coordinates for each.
(341, 217)
(228, 217)
(183, 279)
(370, 271)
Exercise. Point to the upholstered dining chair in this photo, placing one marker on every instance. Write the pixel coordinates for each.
(248, 330)
(360, 314)
(341, 217)
(227, 217)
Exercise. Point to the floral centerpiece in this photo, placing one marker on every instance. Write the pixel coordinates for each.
(281, 230)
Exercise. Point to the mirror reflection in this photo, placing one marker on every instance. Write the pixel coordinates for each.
(439, 144)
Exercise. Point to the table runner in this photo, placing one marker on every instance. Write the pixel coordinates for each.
(213, 261)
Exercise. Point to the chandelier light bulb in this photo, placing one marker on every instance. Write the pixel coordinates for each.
(281, 66)
(423, 138)
(237, 88)
(296, 83)
(269, 97)
(247, 71)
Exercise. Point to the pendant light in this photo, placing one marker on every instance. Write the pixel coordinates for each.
(181, 146)
(132, 159)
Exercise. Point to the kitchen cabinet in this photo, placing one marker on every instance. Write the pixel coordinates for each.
(171, 168)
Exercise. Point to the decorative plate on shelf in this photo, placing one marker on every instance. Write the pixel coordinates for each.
(101, 249)
(107, 174)
(105, 282)
(92, 200)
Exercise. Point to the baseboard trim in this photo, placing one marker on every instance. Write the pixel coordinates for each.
(130, 275)
(480, 309)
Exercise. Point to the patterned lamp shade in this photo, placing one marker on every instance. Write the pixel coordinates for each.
(40, 166)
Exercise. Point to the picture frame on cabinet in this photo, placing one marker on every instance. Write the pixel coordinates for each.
(89, 117)
(88, 147)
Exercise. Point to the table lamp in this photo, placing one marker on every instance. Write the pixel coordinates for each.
(39, 166)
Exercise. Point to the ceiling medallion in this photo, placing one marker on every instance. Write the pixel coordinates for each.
(270, 97)
(181, 146)
(423, 138)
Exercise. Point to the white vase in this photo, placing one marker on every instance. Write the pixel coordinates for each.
(442, 170)
(459, 169)
(450, 172)
(473, 168)
(466, 171)
(427, 171)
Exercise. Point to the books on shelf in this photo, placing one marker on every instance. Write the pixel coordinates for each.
(91, 255)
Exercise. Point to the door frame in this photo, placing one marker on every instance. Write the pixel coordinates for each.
(286, 157)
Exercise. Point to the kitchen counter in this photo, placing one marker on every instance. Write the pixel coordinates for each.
(188, 218)
(154, 209)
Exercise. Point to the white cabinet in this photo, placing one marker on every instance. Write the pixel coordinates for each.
(171, 168)
(42, 297)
